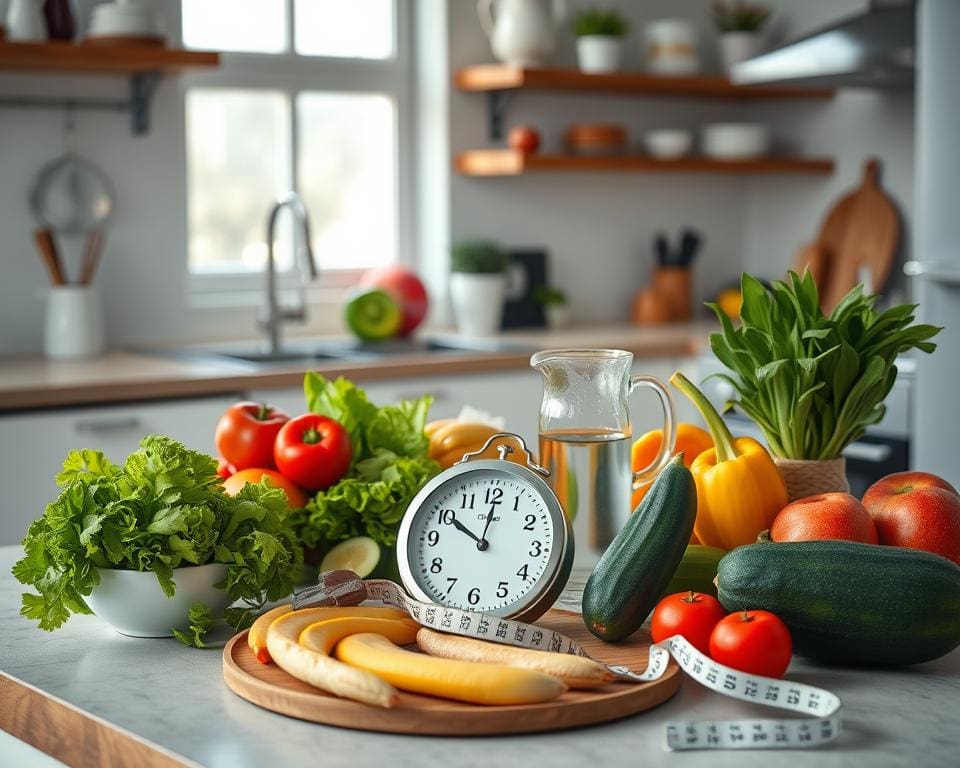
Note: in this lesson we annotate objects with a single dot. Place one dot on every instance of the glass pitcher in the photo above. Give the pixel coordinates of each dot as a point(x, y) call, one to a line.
point(586, 435)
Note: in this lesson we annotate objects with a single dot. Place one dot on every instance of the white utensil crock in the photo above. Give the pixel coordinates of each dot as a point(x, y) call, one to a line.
point(477, 302)
point(74, 323)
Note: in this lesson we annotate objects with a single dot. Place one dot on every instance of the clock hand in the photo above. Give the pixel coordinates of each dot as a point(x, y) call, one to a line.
point(461, 527)
point(482, 543)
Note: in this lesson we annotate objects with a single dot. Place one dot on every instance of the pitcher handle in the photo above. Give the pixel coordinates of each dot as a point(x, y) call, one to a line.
point(485, 12)
point(669, 428)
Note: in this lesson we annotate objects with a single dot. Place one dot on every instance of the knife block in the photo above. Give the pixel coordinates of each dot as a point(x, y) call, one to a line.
point(675, 286)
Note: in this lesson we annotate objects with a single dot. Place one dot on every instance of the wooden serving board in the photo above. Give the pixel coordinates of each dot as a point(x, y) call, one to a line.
point(270, 687)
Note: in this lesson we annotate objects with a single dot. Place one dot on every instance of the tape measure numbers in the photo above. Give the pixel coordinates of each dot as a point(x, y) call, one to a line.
point(821, 707)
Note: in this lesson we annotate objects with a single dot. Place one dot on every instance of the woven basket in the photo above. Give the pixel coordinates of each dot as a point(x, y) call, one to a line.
point(808, 477)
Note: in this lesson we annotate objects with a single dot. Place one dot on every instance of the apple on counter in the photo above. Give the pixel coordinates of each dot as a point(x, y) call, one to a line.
point(918, 510)
point(406, 289)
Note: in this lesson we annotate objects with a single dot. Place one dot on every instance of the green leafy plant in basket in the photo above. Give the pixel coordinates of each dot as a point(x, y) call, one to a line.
point(813, 382)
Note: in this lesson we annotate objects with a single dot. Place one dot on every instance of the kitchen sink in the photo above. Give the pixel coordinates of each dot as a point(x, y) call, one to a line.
point(307, 353)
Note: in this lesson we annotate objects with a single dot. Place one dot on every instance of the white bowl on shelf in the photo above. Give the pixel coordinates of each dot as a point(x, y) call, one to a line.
point(668, 143)
point(735, 141)
point(133, 603)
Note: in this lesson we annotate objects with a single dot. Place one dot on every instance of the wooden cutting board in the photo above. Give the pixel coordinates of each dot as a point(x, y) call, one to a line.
point(270, 687)
point(862, 230)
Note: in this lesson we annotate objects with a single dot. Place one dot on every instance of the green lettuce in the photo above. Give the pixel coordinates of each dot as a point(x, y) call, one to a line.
point(164, 508)
point(390, 465)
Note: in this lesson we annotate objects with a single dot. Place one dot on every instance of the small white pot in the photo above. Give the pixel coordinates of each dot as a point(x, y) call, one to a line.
point(599, 53)
point(74, 323)
point(739, 46)
point(558, 315)
point(477, 302)
point(133, 603)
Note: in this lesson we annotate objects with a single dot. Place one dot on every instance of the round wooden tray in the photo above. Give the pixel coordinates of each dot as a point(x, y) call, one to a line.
point(270, 687)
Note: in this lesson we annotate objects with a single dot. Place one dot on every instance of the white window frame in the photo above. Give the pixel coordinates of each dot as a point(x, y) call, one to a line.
point(291, 74)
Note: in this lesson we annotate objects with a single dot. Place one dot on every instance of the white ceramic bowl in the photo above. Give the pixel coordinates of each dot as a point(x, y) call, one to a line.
point(133, 603)
point(735, 141)
point(668, 143)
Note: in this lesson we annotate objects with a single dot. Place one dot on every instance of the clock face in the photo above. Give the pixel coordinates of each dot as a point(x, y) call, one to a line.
point(484, 540)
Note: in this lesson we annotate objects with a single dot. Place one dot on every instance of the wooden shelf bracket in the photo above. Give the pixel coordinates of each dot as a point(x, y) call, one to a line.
point(143, 85)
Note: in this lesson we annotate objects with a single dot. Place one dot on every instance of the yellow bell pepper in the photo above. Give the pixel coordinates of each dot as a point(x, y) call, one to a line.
point(739, 488)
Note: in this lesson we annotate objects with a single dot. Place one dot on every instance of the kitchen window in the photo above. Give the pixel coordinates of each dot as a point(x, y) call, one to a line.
point(312, 95)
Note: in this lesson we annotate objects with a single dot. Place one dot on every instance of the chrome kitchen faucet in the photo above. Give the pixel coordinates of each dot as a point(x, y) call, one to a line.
point(275, 314)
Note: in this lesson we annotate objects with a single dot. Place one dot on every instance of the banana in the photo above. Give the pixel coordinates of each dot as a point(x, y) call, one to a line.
point(575, 671)
point(257, 636)
point(460, 680)
point(319, 669)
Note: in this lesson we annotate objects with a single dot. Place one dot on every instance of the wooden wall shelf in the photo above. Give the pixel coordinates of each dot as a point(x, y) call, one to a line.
point(500, 82)
point(144, 65)
point(497, 77)
point(508, 162)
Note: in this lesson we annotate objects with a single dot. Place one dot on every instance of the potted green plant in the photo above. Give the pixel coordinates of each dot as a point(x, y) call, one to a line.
point(813, 382)
point(556, 308)
point(600, 36)
point(740, 25)
point(477, 286)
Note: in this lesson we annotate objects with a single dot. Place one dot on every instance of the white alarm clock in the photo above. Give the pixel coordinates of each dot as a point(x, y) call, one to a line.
point(487, 535)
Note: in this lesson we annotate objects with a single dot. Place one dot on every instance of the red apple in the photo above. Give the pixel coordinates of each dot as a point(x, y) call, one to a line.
point(918, 510)
point(824, 516)
point(405, 288)
point(524, 137)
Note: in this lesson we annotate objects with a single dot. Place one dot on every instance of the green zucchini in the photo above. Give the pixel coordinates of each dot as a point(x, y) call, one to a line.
point(637, 566)
point(847, 602)
point(696, 571)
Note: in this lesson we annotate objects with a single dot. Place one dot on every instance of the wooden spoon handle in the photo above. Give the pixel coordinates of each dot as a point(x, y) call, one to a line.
point(48, 253)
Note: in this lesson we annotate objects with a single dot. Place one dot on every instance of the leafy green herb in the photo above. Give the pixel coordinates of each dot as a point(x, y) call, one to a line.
point(599, 21)
point(163, 509)
point(390, 465)
point(739, 16)
point(813, 383)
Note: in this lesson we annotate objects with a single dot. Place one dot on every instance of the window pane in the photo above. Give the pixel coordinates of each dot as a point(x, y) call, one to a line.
point(347, 176)
point(358, 28)
point(238, 160)
point(255, 26)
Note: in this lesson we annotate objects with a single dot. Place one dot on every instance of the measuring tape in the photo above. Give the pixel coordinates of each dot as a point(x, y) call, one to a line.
point(343, 588)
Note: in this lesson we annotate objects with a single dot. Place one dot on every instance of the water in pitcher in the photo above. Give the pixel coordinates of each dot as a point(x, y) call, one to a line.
point(590, 473)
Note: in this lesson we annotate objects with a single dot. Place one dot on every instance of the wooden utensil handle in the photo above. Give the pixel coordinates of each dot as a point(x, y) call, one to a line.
point(43, 239)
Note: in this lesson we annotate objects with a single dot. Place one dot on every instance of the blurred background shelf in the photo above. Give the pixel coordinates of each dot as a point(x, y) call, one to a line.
point(144, 65)
point(508, 162)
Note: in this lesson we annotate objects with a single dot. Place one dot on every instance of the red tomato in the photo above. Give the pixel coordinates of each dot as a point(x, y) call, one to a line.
point(313, 451)
point(224, 468)
point(752, 641)
point(691, 614)
point(296, 498)
point(246, 432)
point(525, 138)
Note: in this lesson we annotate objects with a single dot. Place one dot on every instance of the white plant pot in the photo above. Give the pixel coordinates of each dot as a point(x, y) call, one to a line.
point(597, 54)
point(133, 603)
point(739, 46)
point(477, 302)
point(558, 315)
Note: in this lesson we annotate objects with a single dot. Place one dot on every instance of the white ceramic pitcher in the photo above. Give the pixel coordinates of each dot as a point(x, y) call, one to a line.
point(522, 32)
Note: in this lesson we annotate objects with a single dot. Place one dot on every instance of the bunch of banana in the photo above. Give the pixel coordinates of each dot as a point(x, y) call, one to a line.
point(450, 439)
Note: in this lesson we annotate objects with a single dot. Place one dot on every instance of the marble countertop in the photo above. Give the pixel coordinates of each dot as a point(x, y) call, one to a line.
point(175, 697)
point(34, 382)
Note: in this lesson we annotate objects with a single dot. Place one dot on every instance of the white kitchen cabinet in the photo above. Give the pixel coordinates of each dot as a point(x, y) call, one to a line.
point(33, 446)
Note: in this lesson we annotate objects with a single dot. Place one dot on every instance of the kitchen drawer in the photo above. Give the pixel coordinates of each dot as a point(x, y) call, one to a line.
point(34, 445)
